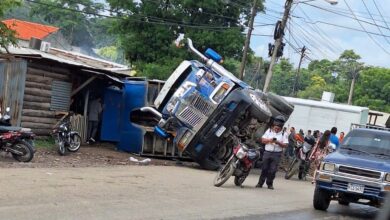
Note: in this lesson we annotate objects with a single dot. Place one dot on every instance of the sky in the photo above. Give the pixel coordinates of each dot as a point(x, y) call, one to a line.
point(306, 27)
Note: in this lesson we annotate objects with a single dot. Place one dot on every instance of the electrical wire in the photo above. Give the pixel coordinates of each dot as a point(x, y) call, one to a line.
point(321, 39)
point(309, 38)
point(380, 13)
point(341, 14)
point(379, 45)
point(340, 26)
point(374, 21)
point(148, 19)
point(322, 33)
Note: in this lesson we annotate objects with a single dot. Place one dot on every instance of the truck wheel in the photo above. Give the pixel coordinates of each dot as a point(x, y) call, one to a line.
point(280, 104)
point(258, 108)
point(321, 199)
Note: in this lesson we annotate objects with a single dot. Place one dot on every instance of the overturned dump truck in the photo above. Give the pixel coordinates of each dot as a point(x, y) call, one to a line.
point(204, 109)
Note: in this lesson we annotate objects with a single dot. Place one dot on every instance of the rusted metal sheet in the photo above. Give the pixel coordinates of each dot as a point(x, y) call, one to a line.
point(12, 82)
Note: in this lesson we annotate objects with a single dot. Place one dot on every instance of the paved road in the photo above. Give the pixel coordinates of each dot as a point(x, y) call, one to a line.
point(154, 192)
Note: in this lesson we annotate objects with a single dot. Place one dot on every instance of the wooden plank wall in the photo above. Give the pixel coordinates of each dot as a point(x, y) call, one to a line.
point(36, 113)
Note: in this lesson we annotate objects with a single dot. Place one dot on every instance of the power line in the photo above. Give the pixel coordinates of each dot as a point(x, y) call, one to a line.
point(322, 39)
point(309, 38)
point(340, 26)
point(341, 14)
point(148, 19)
point(366, 31)
point(322, 33)
point(374, 21)
point(380, 13)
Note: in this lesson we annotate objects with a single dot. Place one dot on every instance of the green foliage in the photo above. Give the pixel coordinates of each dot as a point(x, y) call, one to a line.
point(47, 143)
point(147, 30)
point(71, 16)
point(283, 78)
point(373, 89)
point(7, 36)
point(112, 53)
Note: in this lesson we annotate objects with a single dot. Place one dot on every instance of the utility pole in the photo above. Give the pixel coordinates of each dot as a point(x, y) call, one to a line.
point(355, 74)
point(248, 39)
point(278, 42)
point(295, 88)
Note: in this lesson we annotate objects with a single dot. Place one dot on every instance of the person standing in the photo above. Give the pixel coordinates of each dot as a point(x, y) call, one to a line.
point(95, 108)
point(308, 135)
point(341, 137)
point(333, 138)
point(289, 152)
point(320, 150)
point(274, 142)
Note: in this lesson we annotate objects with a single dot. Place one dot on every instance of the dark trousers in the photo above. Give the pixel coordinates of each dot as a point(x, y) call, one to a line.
point(289, 151)
point(92, 128)
point(270, 167)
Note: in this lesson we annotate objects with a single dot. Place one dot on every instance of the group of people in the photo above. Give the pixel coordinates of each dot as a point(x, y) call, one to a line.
point(277, 140)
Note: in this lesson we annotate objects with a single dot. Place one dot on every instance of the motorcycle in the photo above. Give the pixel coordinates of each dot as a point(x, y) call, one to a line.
point(25, 133)
point(238, 165)
point(301, 161)
point(66, 139)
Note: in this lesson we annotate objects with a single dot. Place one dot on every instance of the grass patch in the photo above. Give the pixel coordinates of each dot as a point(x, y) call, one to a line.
point(47, 143)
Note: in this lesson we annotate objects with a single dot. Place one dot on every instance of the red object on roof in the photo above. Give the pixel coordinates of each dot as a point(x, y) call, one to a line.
point(26, 30)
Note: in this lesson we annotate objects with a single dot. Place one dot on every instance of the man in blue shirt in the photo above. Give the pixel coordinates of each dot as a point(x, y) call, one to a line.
point(333, 138)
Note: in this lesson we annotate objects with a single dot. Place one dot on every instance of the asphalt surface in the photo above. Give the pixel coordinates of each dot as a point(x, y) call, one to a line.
point(155, 192)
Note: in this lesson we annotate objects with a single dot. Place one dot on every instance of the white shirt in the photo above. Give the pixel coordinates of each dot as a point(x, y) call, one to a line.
point(270, 134)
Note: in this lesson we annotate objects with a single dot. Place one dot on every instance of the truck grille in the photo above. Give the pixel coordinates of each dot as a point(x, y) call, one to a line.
point(201, 105)
point(369, 190)
point(190, 116)
point(360, 172)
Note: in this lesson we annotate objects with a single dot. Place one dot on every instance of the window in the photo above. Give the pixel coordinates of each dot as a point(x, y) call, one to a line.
point(60, 95)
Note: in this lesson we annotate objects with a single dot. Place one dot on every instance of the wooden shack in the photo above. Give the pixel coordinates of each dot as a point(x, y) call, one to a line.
point(44, 85)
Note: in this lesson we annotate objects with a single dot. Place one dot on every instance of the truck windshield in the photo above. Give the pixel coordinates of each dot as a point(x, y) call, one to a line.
point(370, 142)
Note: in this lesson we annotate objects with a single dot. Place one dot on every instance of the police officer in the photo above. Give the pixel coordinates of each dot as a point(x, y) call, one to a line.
point(274, 142)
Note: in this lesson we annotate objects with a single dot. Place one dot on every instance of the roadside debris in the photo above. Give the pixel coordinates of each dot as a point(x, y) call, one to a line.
point(144, 161)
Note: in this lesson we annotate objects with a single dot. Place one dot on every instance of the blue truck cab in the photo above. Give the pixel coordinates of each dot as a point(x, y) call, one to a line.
point(204, 109)
point(358, 172)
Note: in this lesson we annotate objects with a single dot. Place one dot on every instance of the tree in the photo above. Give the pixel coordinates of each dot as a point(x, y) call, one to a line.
point(72, 17)
point(7, 36)
point(147, 30)
point(315, 90)
point(283, 78)
point(348, 62)
point(373, 89)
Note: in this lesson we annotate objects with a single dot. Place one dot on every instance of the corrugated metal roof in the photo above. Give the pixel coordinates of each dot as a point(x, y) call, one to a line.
point(326, 105)
point(72, 59)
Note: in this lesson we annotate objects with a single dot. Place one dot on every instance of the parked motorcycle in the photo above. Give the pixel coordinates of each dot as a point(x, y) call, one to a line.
point(24, 134)
point(238, 165)
point(66, 138)
point(301, 162)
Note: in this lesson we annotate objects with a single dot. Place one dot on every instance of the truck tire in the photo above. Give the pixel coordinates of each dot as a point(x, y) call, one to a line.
point(280, 104)
point(321, 199)
point(275, 112)
point(256, 111)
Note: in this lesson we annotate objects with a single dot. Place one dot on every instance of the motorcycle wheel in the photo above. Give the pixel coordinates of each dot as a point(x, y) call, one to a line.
point(224, 173)
point(75, 143)
point(239, 180)
point(26, 149)
point(61, 147)
point(293, 168)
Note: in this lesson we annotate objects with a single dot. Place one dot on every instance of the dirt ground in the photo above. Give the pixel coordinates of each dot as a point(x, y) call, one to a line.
point(98, 155)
